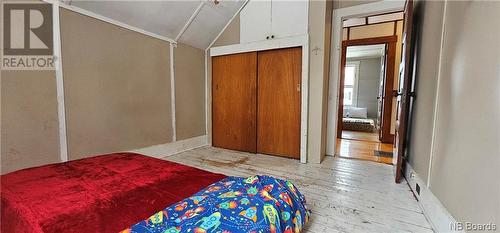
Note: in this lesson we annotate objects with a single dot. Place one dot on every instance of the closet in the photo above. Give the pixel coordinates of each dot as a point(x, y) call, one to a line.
point(256, 102)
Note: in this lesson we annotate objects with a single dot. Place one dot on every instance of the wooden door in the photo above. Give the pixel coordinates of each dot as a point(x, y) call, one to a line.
point(234, 102)
point(380, 95)
point(387, 96)
point(403, 99)
point(278, 105)
point(340, 111)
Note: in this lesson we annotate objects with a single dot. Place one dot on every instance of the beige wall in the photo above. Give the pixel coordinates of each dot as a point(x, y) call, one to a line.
point(320, 17)
point(117, 87)
point(231, 34)
point(374, 30)
point(29, 122)
point(465, 167)
point(117, 92)
point(189, 69)
point(429, 38)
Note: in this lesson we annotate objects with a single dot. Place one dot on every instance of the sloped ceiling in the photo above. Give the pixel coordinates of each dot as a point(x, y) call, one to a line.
point(168, 18)
point(209, 22)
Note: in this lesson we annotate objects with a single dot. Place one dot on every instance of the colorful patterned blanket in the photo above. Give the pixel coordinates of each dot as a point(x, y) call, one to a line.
point(257, 204)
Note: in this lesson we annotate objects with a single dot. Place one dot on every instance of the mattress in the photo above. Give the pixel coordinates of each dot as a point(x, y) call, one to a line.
point(358, 124)
point(99, 194)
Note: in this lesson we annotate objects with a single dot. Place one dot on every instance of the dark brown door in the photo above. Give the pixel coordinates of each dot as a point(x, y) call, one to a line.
point(387, 96)
point(234, 102)
point(278, 107)
point(403, 99)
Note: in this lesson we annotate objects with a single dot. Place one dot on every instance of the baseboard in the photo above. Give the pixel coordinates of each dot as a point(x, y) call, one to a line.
point(440, 219)
point(164, 150)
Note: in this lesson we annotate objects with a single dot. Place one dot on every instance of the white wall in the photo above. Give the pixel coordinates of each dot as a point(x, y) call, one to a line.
point(463, 167)
point(368, 84)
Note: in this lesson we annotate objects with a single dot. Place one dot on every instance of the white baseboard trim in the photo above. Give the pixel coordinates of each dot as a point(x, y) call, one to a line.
point(164, 150)
point(434, 211)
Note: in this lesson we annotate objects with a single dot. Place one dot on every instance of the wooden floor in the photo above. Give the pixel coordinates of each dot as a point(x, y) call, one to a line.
point(358, 135)
point(361, 145)
point(345, 195)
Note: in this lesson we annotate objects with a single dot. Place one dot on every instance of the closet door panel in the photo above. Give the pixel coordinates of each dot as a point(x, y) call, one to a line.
point(278, 108)
point(234, 101)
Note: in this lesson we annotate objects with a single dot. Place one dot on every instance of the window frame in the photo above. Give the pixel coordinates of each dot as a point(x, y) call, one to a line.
point(356, 82)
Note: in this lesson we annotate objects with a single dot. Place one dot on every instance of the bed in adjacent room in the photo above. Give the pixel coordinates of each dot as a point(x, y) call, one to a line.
point(105, 193)
point(358, 124)
point(356, 119)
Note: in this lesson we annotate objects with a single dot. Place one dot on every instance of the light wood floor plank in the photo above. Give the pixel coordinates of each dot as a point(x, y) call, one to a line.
point(344, 195)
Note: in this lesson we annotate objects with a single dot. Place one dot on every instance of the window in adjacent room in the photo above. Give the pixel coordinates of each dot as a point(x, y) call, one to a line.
point(350, 83)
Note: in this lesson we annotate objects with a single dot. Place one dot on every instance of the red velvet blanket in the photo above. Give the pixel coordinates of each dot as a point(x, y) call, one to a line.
point(106, 193)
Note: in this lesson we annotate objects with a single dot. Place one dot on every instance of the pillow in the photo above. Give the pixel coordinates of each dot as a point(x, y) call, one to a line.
point(358, 112)
point(345, 113)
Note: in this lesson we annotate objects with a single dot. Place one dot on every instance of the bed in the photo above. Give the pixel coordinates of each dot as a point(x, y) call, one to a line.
point(358, 124)
point(100, 194)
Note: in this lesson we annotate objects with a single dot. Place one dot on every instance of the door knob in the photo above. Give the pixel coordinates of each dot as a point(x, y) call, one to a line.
point(395, 93)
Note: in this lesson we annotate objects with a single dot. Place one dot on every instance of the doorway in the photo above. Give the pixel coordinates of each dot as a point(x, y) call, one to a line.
point(365, 99)
point(363, 92)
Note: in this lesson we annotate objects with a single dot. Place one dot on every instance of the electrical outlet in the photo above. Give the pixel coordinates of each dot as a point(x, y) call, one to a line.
point(417, 188)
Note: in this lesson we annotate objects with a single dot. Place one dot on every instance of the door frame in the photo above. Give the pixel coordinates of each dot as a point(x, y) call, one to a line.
point(289, 42)
point(339, 15)
point(390, 42)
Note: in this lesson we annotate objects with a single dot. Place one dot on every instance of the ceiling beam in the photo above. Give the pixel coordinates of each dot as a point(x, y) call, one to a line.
point(230, 21)
point(190, 20)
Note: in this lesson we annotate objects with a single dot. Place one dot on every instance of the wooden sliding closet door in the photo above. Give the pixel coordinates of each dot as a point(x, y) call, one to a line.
point(234, 101)
point(278, 106)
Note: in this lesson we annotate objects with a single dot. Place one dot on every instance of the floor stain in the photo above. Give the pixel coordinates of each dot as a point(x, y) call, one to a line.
point(226, 164)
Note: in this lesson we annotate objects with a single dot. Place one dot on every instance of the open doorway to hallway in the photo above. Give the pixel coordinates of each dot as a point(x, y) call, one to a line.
point(370, 57)
point(363, 105)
